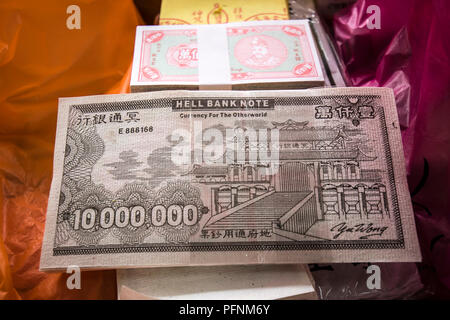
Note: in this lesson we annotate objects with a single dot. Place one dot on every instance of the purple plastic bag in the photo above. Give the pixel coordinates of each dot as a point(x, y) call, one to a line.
point(410, 54)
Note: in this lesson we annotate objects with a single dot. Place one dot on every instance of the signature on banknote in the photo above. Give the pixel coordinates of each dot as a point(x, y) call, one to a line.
point(366, 230)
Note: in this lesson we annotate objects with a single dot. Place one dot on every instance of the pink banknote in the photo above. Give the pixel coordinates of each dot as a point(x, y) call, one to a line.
point(281, 52)
point(168, 55)
point(271, 52)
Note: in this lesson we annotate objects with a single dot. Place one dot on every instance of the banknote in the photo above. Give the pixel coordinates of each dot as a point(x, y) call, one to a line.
point(252, 282)
point(182, 178)
point(271, 52)
point(173, 59)
point(238, 55)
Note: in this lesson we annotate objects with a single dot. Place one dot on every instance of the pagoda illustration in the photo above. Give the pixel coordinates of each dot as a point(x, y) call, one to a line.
point(320, 176)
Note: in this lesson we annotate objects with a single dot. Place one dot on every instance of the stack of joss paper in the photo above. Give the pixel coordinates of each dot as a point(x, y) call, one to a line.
point(240, 56)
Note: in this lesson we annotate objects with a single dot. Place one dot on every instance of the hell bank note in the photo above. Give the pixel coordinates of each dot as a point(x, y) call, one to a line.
point(212, 178)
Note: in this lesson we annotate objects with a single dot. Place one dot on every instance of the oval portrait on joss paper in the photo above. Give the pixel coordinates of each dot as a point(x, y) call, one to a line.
point(260, 52)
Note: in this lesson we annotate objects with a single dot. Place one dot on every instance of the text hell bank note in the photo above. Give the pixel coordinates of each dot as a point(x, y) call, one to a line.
point(212, 178)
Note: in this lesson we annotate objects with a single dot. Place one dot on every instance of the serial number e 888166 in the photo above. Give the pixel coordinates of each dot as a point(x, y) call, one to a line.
point(142, 129)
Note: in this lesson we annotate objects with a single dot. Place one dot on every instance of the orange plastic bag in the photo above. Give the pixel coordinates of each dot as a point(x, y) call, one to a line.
point(41, 59)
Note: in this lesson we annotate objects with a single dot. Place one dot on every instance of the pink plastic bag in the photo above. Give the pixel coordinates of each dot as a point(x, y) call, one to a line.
point(410, 54)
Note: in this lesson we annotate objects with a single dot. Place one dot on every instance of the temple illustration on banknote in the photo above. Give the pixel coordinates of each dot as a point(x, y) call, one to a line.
point(290, 180)
point(295, 178)
point(320, 176)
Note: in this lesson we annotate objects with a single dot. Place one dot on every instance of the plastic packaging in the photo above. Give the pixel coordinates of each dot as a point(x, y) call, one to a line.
point(409, 53)
point(41, 59)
